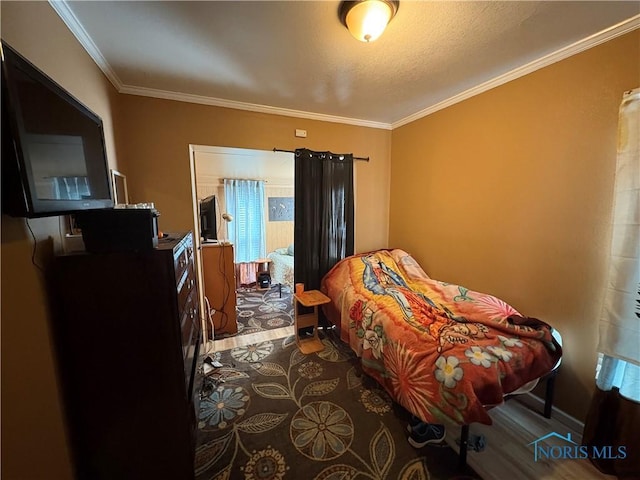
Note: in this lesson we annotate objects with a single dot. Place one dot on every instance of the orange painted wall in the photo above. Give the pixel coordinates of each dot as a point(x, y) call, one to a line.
point(154, 151)
point(34, 444)
point(510, 193)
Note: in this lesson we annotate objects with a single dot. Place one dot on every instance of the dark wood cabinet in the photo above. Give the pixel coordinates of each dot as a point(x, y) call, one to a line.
point(127, 334)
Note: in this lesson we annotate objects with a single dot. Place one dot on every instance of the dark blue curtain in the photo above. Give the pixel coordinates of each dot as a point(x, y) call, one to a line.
point(324, 214)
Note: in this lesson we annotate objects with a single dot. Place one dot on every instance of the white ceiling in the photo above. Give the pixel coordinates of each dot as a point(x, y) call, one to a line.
point(296, 58)
point(216, 163)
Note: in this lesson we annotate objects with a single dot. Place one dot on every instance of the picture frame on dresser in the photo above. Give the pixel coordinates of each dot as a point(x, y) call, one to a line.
point(119, 187)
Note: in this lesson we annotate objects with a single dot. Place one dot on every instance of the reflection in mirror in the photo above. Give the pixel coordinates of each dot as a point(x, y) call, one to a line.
point(119, 186)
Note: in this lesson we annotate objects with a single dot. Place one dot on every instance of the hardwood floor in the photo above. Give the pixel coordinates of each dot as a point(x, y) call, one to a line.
point(517, 423)
point(508, 454)
point(241, 340)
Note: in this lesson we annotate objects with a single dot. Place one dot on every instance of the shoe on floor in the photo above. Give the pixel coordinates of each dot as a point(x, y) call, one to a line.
point(414, 422)
point(426, 433)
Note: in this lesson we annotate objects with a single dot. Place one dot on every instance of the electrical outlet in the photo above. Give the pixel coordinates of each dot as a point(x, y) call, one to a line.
point(301, 133)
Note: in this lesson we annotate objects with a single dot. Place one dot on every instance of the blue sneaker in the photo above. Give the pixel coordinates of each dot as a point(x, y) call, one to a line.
point(426, 433)
point(414, 422)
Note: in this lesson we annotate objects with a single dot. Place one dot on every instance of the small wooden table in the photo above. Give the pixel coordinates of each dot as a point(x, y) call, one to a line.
point(311, 298)
point(262, 266)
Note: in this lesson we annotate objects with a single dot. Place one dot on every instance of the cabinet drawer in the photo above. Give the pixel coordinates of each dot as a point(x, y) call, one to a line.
point(196, 385)
point(190, 359)
point(189, 321)
point(186, 286)
point(183, 256)
point(180, 263)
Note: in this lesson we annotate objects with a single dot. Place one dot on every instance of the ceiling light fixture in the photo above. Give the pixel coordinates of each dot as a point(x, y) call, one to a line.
point(367, 19)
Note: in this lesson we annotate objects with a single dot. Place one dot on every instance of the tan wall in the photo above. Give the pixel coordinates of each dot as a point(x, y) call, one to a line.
point(510, 192)
point(157, 134)
point(33, 438)
point(278, 234)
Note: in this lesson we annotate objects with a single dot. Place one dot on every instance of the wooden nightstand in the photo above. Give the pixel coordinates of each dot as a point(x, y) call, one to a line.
point(262, 266)
point(219, 275)
point(313, 299)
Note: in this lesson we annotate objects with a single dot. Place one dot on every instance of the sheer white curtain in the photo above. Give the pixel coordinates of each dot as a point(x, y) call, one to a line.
point(619, 340)
point(245, 202)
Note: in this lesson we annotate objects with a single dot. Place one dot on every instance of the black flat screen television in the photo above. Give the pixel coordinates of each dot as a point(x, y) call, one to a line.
point(208, 218)
point(54, 160)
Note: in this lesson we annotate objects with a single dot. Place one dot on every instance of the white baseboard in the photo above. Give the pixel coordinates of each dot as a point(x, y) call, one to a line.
point(536, 403)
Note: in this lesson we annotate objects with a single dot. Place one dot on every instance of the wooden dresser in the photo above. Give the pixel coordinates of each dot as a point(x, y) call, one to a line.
point(127, 337)
point(218, 270)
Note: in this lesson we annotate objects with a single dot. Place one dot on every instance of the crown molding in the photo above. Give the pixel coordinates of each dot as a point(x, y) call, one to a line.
point(68, 17)
point(253, 107)
point(566, 52)
point(71, 21)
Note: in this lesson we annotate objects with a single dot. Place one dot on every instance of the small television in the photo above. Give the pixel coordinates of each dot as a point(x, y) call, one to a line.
point(54, 159)
point(208, 218)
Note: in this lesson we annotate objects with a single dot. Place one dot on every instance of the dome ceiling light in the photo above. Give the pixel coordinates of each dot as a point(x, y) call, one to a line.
point(367, 19)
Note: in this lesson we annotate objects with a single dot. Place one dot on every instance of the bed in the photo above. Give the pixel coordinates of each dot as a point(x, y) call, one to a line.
point(442, 351)
point(281, 266)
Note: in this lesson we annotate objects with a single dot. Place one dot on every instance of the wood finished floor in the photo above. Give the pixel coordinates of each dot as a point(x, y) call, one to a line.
point(507, 455)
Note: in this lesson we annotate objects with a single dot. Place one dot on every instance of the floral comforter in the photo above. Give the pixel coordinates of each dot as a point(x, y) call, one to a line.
point(281, 267)
point(442, 351)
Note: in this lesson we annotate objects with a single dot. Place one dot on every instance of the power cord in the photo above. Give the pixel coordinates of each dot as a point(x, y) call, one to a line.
point(35, 248)
point(212, 381)
point(226, 287)
point(226, 281)
point(208, 359)
point(214, 373)
point(211, 368)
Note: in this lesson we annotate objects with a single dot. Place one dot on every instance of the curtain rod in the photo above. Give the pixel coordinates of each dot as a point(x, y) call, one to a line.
point(250, 179)
point(364, 159)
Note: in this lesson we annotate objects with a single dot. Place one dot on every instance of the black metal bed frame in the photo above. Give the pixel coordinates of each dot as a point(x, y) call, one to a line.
point(549, 392)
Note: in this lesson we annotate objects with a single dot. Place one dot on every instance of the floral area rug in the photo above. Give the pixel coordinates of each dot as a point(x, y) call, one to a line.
point(259, 310)
point(274, 413)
